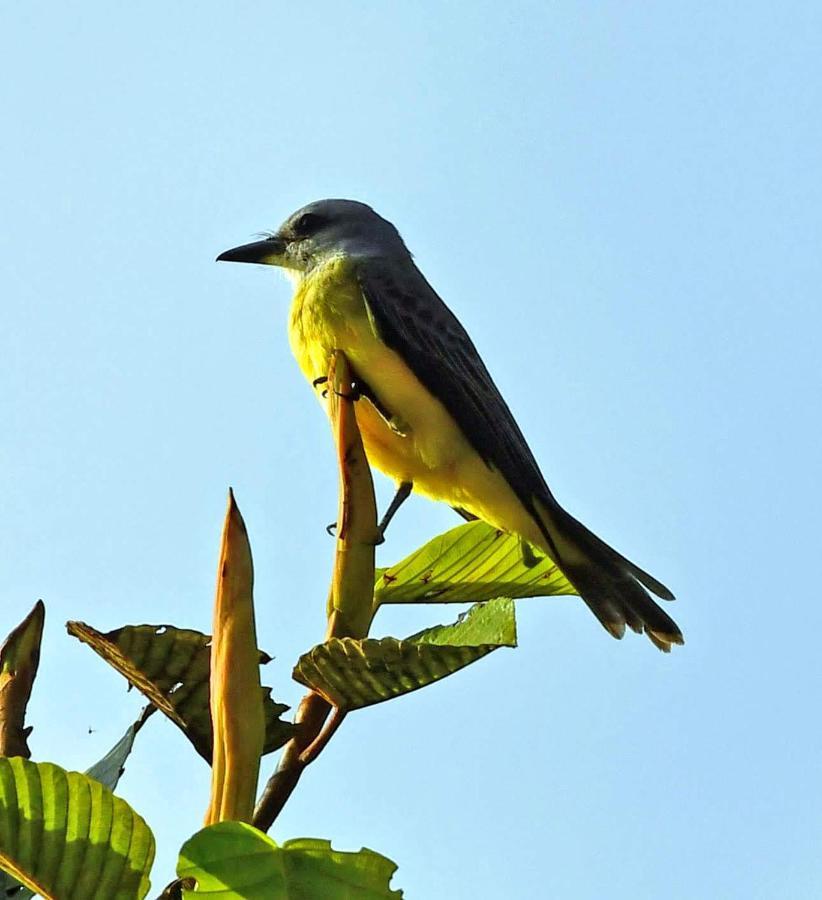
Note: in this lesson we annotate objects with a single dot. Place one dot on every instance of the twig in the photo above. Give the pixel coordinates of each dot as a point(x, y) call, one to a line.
point(310, 718)
point(317, 746)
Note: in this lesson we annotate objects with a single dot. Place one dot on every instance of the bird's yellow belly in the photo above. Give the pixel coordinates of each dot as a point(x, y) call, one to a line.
point(328, 313)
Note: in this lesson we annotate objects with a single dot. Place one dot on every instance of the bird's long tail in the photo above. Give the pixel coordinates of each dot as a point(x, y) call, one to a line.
point(615, 589)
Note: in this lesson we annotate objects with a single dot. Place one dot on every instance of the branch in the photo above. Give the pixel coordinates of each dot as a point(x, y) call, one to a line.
point(351, 597)
point(311, 715)
point(317, 746)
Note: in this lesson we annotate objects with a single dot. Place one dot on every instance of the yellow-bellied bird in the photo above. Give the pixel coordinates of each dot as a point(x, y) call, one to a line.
point(430, 415)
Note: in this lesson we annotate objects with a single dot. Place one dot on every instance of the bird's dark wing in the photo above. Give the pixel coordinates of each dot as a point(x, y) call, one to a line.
point(413, 321)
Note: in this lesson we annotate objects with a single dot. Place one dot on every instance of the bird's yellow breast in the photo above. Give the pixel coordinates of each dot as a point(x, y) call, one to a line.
point(328, 312)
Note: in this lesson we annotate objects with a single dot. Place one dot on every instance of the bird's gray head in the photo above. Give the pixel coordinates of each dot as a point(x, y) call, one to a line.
point(319, 231)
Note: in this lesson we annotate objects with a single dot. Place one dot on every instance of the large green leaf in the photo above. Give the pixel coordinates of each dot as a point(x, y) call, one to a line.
point(351, 674)
point(68, 837)
point(469, 563)
point(107, 771)
point(234, 861)
point(171, 666)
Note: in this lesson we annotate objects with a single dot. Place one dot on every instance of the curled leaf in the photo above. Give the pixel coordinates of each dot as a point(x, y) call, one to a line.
point(171, 666)
point(19, 659)
point(351, 674)
point(238, 721)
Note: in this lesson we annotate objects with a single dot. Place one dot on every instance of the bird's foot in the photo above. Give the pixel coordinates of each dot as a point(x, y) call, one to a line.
point(529, 558)
point(360, 389)
point(403, 492)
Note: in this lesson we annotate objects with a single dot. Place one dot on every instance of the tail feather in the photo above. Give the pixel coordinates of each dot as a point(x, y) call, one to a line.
point(613, 587)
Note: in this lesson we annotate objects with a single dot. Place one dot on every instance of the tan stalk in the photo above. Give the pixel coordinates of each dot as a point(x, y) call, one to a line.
point(237, 714)
point(351, 598)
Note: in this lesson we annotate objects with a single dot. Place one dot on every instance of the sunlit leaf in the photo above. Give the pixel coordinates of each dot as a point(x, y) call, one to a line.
point(107, 771)
point(67, 837)
point(233, 861)
point(469, 563)
point(170, 666)
point(351, 673)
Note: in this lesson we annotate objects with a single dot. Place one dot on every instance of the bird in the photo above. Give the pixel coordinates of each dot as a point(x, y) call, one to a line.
point(430, 415)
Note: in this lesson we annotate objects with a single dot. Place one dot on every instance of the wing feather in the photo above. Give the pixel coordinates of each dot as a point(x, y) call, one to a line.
point(415, 323)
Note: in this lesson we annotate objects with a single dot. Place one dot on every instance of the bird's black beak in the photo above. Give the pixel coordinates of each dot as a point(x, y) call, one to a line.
point(268, 252)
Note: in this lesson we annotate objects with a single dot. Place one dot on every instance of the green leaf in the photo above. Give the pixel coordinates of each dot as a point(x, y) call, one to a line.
point(67, 837)
point(234, 861)
point(171, 667)
point(351, 674)
point(469, 563)
point(107, 771)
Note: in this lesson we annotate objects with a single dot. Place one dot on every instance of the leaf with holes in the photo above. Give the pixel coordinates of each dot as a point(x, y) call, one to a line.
point(171, 667)
point(470, 563)
point(233, 861)
point(65, 835)
point(351, 674)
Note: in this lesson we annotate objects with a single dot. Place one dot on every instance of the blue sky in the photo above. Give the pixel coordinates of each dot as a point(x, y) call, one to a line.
point(622, 204)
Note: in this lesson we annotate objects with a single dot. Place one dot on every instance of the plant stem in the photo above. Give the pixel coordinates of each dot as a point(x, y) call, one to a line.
point(332, 723)
point(351, 597)
point(311, 715)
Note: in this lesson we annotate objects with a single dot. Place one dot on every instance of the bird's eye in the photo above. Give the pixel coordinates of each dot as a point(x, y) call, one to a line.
point(307, 224)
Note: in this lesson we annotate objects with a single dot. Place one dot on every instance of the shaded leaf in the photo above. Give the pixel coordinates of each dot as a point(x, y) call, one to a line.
point(234, 861)
point(11, 888)
point(352, 674)
point(67, 837)
point(171, 666)
point(109, 769)
point(470, 563)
